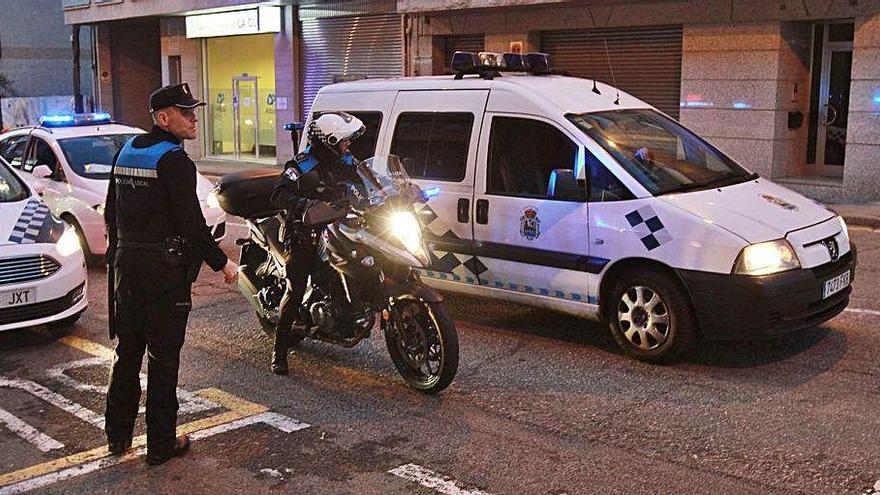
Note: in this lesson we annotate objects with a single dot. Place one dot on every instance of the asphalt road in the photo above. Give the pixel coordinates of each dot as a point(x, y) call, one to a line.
point(543, 403)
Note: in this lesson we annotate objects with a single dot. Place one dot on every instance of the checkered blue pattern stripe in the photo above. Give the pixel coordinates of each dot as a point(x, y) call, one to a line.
point(647, 225)
point(499, 284)
point(27, 229)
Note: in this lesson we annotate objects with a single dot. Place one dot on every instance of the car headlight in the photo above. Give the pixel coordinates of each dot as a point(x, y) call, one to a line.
point(407, 230)
point(68, 243)
point(766, 258)
point(213, 201)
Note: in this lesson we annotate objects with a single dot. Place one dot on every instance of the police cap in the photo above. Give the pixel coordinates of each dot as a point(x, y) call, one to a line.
point(177, 95)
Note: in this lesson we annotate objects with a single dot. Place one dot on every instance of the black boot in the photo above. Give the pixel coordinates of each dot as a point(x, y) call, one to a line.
point(279, 354)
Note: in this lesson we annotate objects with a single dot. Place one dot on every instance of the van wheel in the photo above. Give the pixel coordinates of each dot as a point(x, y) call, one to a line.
point(650, 317)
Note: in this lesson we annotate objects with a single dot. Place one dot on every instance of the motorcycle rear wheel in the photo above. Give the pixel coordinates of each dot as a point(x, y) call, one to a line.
point(423, 344)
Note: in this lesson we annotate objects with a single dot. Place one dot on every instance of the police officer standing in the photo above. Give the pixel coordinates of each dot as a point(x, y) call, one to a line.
point(311, 176)
point(157, 241)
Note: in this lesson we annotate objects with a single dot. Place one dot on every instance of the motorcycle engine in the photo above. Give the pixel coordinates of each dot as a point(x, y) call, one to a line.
point(270, 296)
point(323, 314)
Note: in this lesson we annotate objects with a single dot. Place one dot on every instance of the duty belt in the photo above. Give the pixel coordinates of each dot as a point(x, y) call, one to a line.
point(150, 246)
point(141, 240)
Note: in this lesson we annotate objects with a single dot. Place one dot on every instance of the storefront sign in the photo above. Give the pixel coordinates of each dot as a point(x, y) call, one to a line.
point(263, 19)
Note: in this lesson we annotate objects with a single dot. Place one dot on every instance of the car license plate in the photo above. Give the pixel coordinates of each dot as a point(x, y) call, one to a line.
point(835, 285)
point(17, 297)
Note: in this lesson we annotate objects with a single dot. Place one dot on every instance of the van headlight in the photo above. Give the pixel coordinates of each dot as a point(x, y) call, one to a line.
point(766, 258)
point(68, 243)
point(212, 200)
point(407, 230)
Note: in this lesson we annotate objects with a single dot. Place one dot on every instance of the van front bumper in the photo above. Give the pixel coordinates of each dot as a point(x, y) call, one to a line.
point(736, 307)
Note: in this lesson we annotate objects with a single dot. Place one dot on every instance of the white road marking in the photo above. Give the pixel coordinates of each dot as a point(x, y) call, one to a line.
point(189, 403)
point(53, 398)
point(432, 480)
point(862, 311)
point(27, 432)
point(273, 419)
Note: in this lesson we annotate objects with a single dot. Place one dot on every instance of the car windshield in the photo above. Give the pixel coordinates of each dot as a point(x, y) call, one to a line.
point(658, 152)
point(11, 187)
point(92, 156)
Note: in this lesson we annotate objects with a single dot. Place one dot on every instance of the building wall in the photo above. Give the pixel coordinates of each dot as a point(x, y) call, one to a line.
point(135, 68)
point(175, 43)
point(862, 169)
point(738, 86)
point(38, 57)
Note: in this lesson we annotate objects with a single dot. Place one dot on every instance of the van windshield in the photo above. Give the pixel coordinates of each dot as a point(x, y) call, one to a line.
point(658, 152)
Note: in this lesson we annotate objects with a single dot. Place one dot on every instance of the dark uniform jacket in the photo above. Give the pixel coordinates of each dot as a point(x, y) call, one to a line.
point(306, 178)
point(150, 202)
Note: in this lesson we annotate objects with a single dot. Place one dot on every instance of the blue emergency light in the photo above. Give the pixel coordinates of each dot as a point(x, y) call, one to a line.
point(75, 120)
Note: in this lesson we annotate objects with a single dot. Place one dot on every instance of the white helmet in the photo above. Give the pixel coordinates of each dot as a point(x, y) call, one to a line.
point(332, 127)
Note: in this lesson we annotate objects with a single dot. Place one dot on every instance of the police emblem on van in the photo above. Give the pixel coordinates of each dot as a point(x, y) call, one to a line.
point(779, 202)
point(530, 224)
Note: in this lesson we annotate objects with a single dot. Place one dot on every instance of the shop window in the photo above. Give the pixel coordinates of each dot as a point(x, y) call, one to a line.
point(523, 153)
point(433, 145)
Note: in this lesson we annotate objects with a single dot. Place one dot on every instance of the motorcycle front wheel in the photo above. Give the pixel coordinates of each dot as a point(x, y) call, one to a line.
point(423, 344)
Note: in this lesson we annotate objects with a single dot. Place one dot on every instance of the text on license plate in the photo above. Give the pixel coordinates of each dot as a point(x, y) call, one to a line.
point(17, 297)
point(835, 285)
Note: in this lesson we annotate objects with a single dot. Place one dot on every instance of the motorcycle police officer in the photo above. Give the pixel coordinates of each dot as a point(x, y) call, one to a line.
point(311, 175)
point(157, 241)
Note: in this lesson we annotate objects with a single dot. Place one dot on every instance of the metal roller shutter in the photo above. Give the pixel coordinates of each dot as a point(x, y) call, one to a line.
point(345, 48)
point(646, 60)
point(461, 43)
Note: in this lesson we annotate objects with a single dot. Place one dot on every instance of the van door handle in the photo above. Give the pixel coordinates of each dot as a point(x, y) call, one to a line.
point(464, 210)
point(483, 211)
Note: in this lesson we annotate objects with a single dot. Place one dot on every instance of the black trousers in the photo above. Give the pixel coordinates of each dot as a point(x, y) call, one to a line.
point(302, 261)
point(155, 323)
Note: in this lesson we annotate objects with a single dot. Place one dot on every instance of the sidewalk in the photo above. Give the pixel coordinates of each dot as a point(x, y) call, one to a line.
point(855, 214)
point(860, 214)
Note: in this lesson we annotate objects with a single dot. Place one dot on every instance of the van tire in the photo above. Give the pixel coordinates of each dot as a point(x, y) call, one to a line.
point(649, 316)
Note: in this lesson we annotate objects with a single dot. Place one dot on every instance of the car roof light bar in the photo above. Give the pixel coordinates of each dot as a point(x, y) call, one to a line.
point(489, 65)
point(75, 120)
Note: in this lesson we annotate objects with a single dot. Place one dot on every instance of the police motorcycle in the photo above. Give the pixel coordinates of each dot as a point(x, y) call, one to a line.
point(369, 243)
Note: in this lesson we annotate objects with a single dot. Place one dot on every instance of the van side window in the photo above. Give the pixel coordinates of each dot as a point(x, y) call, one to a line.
point(523, 154)
point(433, 145)
point(604, 186)
point(365, 146)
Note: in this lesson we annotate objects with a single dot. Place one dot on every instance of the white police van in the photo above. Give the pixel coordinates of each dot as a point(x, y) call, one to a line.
point(67, 160)
point(568, 194)
point(42, 269)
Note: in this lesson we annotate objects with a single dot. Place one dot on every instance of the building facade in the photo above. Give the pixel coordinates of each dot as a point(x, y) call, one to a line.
point(790, 89)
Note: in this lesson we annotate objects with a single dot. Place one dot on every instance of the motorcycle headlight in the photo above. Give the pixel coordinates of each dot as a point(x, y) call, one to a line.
point(766, 258)
point(68, 243)
point(212, 200)
point(407, 230)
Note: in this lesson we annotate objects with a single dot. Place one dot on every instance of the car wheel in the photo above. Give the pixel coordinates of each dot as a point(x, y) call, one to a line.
point(91, 259)
point(650, 317)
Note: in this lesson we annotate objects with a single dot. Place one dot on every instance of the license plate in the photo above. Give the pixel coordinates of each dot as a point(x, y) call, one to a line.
point(835, 285)
point(17, 297)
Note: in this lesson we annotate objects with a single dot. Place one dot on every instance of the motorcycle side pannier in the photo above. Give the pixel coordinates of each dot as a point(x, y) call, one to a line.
point(246, 194)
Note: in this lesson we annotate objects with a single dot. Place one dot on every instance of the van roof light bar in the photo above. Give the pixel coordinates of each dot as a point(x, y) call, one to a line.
point(489, 65)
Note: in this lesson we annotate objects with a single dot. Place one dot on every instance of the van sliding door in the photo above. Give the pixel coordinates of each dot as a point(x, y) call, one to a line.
point(435, 135)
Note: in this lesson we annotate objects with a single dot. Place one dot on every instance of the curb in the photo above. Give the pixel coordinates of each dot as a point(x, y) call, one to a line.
point(856, 220)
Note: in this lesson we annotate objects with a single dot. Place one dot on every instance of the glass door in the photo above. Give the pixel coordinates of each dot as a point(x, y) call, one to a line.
point(833, 99)
point(246, 113)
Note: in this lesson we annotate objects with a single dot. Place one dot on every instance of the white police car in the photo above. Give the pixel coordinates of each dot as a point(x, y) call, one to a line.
point(566, 193)
point(67, 160)
point(42, 268)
